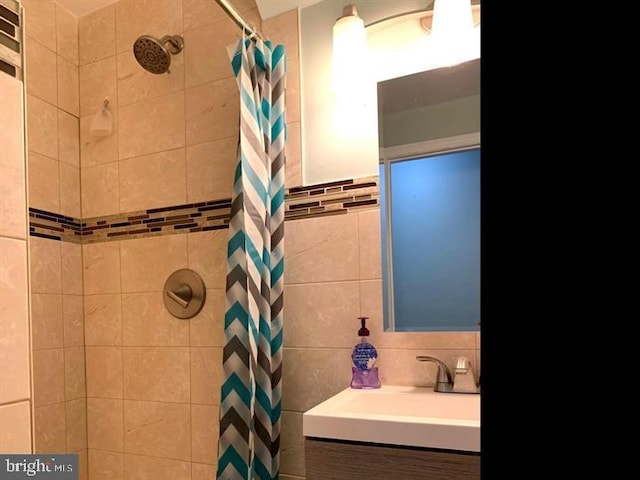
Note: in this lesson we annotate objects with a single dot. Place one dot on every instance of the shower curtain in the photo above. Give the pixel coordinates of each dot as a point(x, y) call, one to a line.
point(250, 401)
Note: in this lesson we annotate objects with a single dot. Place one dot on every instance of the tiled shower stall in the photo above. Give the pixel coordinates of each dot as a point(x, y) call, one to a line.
point(116, 378)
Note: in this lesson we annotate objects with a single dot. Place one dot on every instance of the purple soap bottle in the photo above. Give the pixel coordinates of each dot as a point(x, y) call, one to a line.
point(364, 373)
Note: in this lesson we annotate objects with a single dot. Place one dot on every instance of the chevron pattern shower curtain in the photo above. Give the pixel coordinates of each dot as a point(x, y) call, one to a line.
point(250, 401)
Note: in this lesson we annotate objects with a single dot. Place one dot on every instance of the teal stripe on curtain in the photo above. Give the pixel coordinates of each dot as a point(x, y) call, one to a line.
point(251, 392)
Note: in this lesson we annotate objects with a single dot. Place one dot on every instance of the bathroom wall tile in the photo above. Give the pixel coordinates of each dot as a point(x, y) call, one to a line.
point(106, 465)
point(153, 180)
point(201, 471)
point(147, 322)
point(334, 239)
point(198, 13)
point(73, 320)
point(12, 169)
point(83, 464)
point(97, 82)
point(141, 467)
point(98, 150)
point(292, 444)
point(103, 319)
point(207, 328)
point(152, 126)
point(43, 183)
point(135, 84)
point(370, 244)
point(68, 139)
point(292, 93)
point(68, 86)
point(71, 258)
point(76, 424)
point(45, 265)
point(158, 429)
point(100, 194)
point(104, 425)
point(104, 371)
point(69, 191)
point(48, 377)
point(400, 367)
point(321, 315)
point(210, 170)
point(146, 17)
point(97, 35)
point(141, 271)
point(204, 433)
point(283, 30)
point(42, 127)
point(47, 329)
point(14, 327)
point(50, 428)
point(15, 434)
point(74, 373)
point(208, 256)
point(41, 74)
point(319, 373)
point(206, 375)
point(293, 154)
point(66, 34)
point(205, 59)
point(212, 111)
point(157, 374)
point(101, 266)
point(39, 21)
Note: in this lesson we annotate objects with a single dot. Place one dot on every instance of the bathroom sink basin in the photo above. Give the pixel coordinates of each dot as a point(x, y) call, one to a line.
point(395, 415)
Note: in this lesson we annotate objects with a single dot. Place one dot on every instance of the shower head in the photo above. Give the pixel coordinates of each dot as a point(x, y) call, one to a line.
point(155, 55)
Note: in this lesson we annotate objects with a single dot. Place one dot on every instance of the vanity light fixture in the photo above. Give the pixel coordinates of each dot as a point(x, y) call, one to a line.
point(449, 36)
point(350, 52)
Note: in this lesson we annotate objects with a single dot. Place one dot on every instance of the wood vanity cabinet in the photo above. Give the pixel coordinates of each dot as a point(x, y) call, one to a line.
point(341, 460)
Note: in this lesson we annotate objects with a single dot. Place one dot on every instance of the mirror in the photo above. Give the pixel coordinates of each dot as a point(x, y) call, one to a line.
point(429, 143)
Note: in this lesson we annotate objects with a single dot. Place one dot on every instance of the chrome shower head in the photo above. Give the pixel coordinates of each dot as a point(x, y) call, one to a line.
point(155, 55)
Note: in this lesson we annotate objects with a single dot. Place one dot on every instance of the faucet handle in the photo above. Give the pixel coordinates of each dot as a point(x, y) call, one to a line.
point(462, 365)
point(464, 381)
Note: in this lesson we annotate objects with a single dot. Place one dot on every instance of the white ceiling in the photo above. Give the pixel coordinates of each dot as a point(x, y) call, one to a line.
point(268, 8)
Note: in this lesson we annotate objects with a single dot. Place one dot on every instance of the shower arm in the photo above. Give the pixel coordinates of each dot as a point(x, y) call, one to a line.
point(175, 43)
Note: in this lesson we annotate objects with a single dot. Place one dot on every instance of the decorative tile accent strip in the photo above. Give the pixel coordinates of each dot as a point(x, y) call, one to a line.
point(333, 198)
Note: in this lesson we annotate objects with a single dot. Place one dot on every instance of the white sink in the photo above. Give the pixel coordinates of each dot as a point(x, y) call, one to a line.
point(411, 416)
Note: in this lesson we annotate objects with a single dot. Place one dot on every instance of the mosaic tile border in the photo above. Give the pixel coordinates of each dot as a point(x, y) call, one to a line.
point(332, 198)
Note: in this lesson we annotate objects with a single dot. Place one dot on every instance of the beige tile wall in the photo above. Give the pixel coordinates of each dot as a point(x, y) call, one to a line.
point(53, 107)
point(153, 380)
point(15, 378)
point(57, 328)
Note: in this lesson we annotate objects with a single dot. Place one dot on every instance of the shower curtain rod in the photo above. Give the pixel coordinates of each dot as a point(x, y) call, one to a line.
point(237, 18)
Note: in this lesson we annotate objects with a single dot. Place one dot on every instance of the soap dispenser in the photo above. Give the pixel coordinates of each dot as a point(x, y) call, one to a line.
point(364, 357)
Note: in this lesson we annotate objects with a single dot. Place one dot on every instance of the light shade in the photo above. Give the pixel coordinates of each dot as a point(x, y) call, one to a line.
point(102, 123)
point(454, 39)
point(350, 54)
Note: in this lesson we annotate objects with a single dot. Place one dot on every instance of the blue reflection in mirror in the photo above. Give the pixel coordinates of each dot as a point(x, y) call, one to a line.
point(431, 273)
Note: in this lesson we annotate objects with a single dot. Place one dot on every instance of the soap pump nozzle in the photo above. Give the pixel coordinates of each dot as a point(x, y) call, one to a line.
point(364, 331)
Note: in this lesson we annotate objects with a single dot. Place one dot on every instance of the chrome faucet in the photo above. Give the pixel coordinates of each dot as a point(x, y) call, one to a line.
point(464, 381)
point(443, 377)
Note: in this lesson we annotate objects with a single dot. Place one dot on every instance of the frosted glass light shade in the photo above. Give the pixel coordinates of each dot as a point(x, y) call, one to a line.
point(350, 54)
point(452, 33)
point(101, 124)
